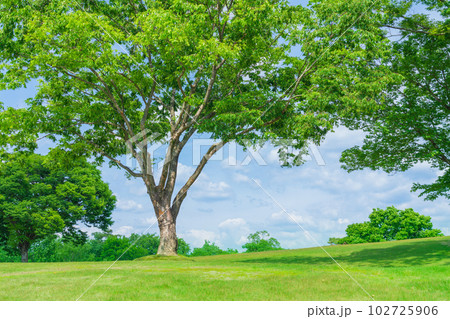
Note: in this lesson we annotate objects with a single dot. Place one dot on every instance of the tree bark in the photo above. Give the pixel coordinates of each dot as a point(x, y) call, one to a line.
point(24, 251)
point(168, 241)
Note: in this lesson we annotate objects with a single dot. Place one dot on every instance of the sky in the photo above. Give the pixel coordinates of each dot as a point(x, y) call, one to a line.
point(241, 192)
point(226, 203)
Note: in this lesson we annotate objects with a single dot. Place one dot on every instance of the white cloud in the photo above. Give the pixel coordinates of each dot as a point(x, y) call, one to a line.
point(273, 157)
point(342, 138)
point(242, 240)
point(211, 191)
point(124, 230)
point(184, 172)
point(293, 218)
point(241, 177)
point(231, 162)
point(232, 223)
point(128, 204)
point(151, 221)
point(285, 234)
point(198, 236)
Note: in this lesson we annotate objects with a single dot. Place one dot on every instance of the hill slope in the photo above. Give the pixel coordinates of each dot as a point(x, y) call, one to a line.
point(402, 270)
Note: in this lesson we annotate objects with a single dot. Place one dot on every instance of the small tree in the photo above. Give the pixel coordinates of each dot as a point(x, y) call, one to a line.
point(115, 246)
point(38, 197)
point(261, 241)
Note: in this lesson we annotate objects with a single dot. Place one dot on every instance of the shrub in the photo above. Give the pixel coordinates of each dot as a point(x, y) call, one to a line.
point(389, 224)
point(261, 241)
point(211, 249)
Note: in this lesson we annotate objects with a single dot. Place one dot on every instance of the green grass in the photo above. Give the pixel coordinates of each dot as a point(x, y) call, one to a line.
point(402, 270)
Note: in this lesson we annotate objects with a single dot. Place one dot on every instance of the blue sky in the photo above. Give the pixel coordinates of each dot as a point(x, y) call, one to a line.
point(225, 204)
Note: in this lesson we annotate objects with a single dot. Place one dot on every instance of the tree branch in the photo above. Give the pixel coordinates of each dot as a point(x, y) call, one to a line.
point(182, 193)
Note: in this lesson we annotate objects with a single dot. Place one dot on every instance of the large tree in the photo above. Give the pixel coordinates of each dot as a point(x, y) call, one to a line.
point(116, 76)
point(40, 197)
point(414, 126)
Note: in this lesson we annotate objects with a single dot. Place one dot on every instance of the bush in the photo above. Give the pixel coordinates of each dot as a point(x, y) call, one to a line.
point(261, 241)
point(149, 242)
point(44, 250)
point(389, 224)
point(70, 252)
point(7, 257)
point(183, 247)
point(211, 249)
point(115, 246)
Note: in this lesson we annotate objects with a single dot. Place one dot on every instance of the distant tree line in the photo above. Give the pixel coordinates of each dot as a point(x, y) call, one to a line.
point(108, 247)
point(102, 247)
point(389, 224)
point(211, 249)
point(259, 241)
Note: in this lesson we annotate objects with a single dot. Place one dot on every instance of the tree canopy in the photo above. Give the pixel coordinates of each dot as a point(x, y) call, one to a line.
point(39, 197)
point(414, 125)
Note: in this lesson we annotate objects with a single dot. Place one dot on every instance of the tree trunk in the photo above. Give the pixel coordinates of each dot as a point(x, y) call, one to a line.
point(24, 251)
point(168, 242)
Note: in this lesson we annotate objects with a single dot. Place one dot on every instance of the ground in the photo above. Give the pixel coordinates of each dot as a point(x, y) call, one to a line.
point(402, 270)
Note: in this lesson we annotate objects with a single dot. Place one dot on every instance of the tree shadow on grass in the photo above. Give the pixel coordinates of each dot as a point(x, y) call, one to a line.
point(411, 254)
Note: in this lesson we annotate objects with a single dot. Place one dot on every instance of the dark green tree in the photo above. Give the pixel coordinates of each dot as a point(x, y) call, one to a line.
point(261, 241)
point(414, 126)
point(118, 76)
point(39, 197)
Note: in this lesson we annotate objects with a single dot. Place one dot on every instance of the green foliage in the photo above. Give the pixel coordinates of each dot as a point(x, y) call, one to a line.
point(39, 197)
point(389, 224)
point(8, 256)
point(112, 73)
point(361, 233)
point(242, 49)
point(211, 249)
point(120, 246)
point(413, 127)
point(183, 247)
point(45, 250)
point(149, 242)
point(102, 247)
point(261, 241)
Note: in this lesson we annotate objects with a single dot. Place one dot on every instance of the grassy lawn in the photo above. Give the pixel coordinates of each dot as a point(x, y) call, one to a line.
point(402, 270)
